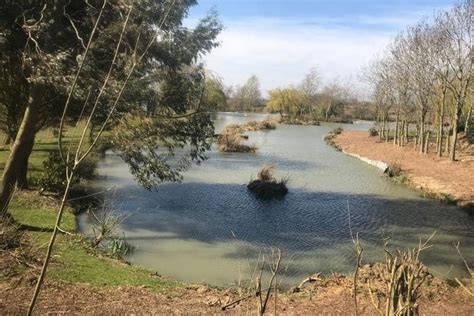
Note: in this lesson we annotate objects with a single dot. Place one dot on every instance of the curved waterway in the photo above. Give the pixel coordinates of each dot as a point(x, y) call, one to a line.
point(209, 229)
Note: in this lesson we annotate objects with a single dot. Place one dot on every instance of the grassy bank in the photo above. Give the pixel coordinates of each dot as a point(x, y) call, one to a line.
point(74, 260)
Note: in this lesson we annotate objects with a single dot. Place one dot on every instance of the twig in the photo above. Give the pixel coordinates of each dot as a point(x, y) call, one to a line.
point(313, 278)
point(65, 232)
point(359, 251)
point(464, 287)
point(242, 299)
point(456, 245)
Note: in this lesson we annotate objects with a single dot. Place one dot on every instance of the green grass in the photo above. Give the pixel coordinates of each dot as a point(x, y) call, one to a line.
point(45, 142)
point(74, 260)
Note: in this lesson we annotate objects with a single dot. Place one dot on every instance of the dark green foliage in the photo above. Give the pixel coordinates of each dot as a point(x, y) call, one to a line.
point(160, 150)
point(53, 178)
point(166, 86)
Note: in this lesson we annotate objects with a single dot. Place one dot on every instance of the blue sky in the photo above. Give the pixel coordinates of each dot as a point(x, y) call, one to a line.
point(279, 41)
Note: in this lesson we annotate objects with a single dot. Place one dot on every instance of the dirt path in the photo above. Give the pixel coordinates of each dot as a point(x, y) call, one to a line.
point(328, 297)
point(426, 172)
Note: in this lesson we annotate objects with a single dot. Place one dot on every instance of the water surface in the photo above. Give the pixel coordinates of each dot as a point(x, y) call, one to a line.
point(210, 229)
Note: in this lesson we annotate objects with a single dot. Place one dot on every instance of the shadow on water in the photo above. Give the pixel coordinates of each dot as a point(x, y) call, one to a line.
point(209, 212)
point(212, 223)
point(311, 228)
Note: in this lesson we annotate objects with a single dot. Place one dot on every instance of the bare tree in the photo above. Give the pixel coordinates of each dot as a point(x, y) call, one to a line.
point(457, 32)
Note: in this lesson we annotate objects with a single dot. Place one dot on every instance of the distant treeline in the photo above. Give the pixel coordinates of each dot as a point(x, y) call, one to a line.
point(310, 99)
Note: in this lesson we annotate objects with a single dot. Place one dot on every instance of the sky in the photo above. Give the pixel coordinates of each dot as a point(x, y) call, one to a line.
point(281, 40)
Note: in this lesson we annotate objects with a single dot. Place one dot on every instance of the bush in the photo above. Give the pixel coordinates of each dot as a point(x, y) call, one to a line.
point(337, 131)
point(230, 140)
point(266, 186)
point(373, 132)
point(329, 138)
point(53, 177)
point(394, 170)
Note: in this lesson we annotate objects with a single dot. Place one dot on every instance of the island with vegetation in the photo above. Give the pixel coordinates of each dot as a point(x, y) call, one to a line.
point(119, 92)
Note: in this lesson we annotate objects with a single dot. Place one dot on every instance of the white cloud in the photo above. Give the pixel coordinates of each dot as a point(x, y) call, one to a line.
point(280, 52)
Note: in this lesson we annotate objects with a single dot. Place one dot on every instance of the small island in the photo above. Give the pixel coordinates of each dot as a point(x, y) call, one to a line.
point(266, 186)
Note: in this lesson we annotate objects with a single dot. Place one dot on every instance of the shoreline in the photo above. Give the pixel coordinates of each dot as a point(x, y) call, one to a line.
point(77, 270)
point(433, 177)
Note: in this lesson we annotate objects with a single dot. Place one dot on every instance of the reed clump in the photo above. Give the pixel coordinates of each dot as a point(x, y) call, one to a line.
point(231, 140)
point(267, 124)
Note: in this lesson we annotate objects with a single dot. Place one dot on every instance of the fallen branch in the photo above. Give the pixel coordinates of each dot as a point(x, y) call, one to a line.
point(311, 279)
point(237, 301)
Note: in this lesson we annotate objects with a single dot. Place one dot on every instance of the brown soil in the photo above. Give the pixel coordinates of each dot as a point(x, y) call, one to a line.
point(426, 172)
point(325, 296)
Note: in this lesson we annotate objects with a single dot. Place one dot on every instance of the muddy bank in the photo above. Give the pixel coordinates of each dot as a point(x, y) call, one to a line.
point(435, 177)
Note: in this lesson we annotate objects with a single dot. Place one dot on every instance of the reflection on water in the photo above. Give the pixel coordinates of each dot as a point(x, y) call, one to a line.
point(209, 227)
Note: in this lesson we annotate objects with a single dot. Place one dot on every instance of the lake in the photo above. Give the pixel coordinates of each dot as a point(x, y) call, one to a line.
point(210, 229)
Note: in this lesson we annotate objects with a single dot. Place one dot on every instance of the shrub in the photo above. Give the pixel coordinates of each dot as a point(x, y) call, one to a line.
point(266, 186)
point(230, 140)
point(394, 170)
point(118, 247)
point(373, 132)
point(53, 177)
point(337, 131)
point(329, 138)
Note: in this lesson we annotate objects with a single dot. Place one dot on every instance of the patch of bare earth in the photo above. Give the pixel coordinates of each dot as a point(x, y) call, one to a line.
point(426, 172)
point(332, 295)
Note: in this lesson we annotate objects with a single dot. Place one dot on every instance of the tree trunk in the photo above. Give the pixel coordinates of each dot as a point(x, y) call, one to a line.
point(328, 110)
point(402, 134)
point(441, 122)
point(19, 151)
point(468, 119)
point(395, 136)
point(427, 142)
point(22, 178)
point(417, 137)
point(407, 129)
point(446, 148)
point(454, 140)
point(383, 127)
point(422, 132)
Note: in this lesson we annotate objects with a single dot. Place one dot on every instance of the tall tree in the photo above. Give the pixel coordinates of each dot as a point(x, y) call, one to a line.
point(166, 78)
point(309, 87)
point(285, 101)
point(249, 96)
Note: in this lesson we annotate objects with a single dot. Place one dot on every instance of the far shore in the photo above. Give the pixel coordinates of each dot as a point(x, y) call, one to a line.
point(435, 177)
